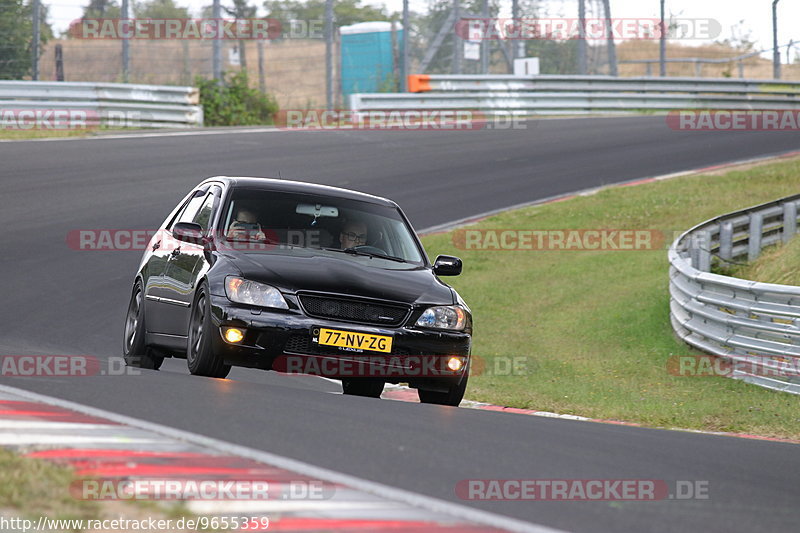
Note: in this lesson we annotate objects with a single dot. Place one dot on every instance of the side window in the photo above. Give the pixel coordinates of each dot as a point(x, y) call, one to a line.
point(203, 216)
point(190, 211)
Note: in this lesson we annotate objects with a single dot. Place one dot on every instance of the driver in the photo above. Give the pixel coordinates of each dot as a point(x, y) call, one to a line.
point(245, 226)
point(354, 233)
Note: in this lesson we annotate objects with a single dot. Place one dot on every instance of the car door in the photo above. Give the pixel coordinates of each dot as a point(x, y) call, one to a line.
point(184, 266)
point(162, 248)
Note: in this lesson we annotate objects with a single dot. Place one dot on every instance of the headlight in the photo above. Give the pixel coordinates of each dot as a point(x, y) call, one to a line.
point(248, 292)
point(451, 317)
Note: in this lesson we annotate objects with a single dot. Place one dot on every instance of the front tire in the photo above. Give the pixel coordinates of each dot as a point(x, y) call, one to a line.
point(200, 356)
point(134, 350)
point(369, 388)
point(452, 396)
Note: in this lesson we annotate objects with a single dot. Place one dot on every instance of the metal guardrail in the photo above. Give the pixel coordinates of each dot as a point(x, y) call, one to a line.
point(754, 325)
point(113, 104)
point(581, 94)
point(446, 83)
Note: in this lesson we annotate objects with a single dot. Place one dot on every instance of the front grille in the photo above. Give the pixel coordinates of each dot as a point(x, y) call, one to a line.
point(301, 344)
point(354, 310)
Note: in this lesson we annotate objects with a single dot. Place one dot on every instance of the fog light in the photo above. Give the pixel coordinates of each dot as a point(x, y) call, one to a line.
point(455, 364)
point(234, 335)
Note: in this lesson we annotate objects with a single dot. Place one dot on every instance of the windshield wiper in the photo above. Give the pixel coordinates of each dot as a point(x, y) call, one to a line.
point(353, 251)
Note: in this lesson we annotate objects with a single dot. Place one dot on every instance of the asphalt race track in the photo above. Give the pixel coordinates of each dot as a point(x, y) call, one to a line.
point(57, 300)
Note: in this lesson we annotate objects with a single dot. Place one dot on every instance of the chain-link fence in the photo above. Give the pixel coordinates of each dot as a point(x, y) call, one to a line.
point(443, 36)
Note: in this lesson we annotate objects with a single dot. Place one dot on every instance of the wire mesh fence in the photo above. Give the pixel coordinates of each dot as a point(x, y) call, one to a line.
point(291, 65)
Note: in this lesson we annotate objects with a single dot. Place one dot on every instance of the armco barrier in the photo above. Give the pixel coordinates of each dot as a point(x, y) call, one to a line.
point(524, 95)
point(113, 104)
point(754, 325)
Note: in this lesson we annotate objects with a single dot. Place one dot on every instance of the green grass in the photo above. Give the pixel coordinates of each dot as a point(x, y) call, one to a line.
point(33, 488)
point(776, 264)
point(596, 323)
point(21, 135)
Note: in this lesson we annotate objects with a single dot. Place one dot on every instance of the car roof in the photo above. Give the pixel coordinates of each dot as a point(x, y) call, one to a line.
point(273, 184)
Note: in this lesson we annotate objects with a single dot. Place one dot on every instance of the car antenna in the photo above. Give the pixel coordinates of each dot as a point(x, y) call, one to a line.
point(279, 175)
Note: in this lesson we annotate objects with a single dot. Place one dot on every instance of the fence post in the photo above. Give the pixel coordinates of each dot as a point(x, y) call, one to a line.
point(125, 44)
point(404, 62)
point(458, 46)
point(612, 50)
point(485, 50)
point(59, 63)
point(216, 54)
point(262, 82)
point(35, 43)
point(581, 35)
point(329, 54)
point(662, 45)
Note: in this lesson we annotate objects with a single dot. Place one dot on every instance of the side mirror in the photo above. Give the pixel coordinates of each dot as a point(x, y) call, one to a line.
point(188, 232)
point(447, 265)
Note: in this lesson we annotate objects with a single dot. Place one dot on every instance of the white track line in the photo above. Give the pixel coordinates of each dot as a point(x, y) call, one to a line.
point(455, 510)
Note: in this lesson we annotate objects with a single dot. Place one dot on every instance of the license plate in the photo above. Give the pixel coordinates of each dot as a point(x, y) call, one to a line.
point(354, 341)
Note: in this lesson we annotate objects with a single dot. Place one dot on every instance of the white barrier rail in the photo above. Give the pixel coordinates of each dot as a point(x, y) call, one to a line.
point(754, 325)
point(496, 94)
point(110, 104)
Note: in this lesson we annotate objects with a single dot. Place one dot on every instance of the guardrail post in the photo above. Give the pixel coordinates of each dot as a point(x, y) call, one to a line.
point(699, 251)
point(726, 240)
point(754, 239)
point(704, 252)
point(789, 221)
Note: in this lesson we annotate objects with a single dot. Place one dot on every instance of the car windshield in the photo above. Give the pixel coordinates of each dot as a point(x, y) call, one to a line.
point(282, 221)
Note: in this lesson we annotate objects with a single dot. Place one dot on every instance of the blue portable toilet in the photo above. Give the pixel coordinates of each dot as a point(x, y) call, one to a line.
point(367, 61)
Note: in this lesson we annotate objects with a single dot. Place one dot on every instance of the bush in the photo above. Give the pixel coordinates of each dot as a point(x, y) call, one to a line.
point(234, 103)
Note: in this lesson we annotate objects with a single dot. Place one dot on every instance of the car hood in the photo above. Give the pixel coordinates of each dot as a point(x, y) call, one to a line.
point(349, 275)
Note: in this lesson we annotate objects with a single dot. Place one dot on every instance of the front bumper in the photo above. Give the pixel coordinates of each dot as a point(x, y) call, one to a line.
point(284, 341)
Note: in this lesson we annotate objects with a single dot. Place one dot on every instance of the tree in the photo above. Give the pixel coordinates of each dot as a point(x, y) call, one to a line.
point(101, 9)
point(345, 12)
point(160, 9)
point(16, 37)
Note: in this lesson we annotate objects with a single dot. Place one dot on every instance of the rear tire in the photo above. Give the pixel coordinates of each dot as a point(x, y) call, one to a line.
point(200, 356)
point(369, 388)
point(452, 397)
point(134, 350)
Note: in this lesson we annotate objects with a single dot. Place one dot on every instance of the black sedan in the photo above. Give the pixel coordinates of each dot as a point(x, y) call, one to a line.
point(299, 278)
